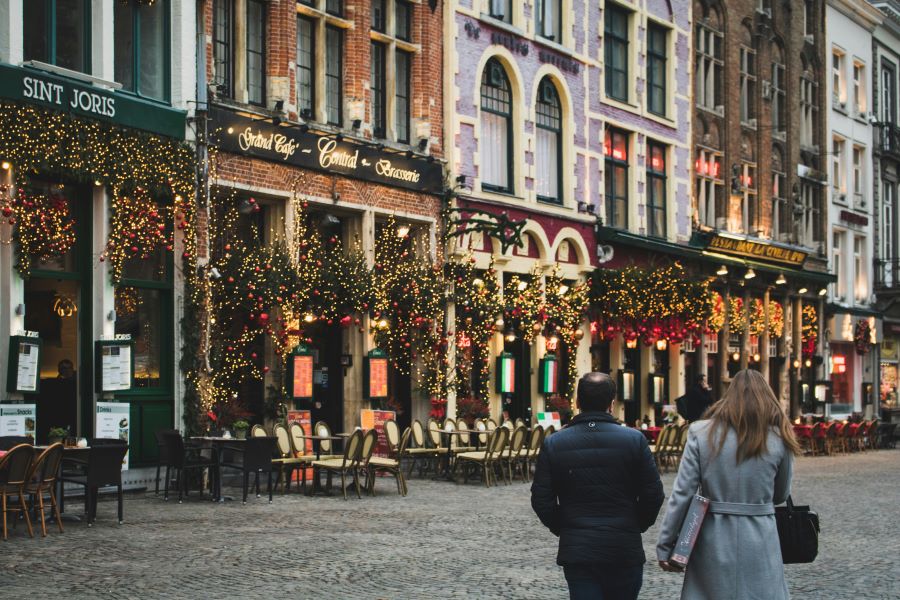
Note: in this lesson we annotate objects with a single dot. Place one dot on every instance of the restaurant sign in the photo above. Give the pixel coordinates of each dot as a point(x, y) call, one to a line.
point(25, 84)
point(757, 250)
point(291, 145)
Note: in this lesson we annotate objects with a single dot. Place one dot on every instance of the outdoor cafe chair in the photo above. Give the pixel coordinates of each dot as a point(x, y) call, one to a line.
point(420, 450)
point(255, 456)
point(463, 441)
point(485, 459)
point(491, 424)
point(104, 468)
point(346, 465)
point(392, 435)
point(298, 446)
point(285, 459)
point(519, 423)
point(549, 431)
point(162, 457)
point(381, 464)
point(511, 454)
point(817, 435)
point(42, 480)
point(326, 448)
point(182, 458)
point(8, 442)
point(530, 451)
point(15, 468)
point(367, 449)
point(258, 431)
point(660, 448)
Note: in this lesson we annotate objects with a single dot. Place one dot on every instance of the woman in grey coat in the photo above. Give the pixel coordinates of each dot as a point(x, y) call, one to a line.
point(741, 459)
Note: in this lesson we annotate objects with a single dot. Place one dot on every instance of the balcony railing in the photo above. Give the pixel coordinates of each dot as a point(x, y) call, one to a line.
point(887, 275)
point(888, 138)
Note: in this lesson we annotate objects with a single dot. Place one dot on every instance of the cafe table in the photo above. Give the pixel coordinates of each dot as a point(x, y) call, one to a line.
point(219, 445)
point(317, 444)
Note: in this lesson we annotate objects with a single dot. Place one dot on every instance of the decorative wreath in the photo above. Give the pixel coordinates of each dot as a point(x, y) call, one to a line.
point(862, 337)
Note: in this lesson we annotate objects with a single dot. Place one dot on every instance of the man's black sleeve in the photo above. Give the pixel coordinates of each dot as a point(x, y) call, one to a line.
point(543, 497)
point(650, 489)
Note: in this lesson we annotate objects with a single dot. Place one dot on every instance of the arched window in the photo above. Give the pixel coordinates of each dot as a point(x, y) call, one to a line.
point(549, 143)
point(709, 59)
point(496, 128)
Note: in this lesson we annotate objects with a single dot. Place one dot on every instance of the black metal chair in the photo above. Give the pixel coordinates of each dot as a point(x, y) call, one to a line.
point(185, 458)
point(255, 456)
point(104, 468)
point(8, 442)
point(162, 458)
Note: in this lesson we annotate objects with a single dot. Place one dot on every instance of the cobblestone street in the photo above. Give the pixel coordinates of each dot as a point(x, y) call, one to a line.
point(443, 541)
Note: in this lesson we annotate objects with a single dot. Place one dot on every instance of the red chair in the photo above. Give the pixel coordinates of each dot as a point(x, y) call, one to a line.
point(818, 439)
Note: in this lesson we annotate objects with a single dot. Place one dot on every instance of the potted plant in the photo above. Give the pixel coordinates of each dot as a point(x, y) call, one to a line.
point(240, 429)
point(558, 404)
point(57, 434)
point(470, 409)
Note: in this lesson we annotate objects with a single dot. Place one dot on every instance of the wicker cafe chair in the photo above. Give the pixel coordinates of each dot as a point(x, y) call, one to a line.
point(511, 454)
point(660, 448)
point(392, 435)
point(491, 424)
point(485, 459)
point(326, 448)
point(42, 480)
point(258, 431)
point(285, 460)
point(15, 468)
point(529, 453)
point(463, 443)
point(369, 441)
point(519, 423)
point(346, 465)
point(549, 431)
point(870, 438)
point(817, 439)
point(420, 451)
point(298, 447)
point(389, 465)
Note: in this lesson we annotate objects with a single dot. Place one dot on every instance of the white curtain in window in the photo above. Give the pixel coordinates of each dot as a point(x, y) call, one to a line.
point(494, 150)
point(548, 9)
point(547, 171)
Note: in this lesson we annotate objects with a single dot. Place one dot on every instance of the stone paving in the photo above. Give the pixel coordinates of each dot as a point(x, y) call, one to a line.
point(443, 541)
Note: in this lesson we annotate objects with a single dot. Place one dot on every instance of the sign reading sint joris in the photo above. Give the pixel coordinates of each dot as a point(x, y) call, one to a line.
point(291, 145)
point(757, 250)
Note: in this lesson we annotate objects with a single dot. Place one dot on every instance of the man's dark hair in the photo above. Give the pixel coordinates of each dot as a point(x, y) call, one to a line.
point(596, 391)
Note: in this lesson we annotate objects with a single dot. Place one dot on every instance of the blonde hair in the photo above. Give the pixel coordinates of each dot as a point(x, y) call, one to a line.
point(750, 408)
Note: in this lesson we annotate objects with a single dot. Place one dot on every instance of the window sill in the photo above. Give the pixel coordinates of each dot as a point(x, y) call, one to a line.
point(508, 27)
point(627, 106)
point(779, 135)
point(555, 46)
point(713, 111)
point(839, 106)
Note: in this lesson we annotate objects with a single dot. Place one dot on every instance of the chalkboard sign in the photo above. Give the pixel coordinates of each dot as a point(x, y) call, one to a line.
point(375, 375)
point(113, 365)
point(23, 375)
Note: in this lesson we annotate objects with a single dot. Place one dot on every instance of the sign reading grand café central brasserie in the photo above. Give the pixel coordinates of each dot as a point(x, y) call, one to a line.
point(758, 250)
point(289, 145)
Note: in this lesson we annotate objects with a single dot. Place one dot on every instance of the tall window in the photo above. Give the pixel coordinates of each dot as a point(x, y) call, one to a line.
point(859, 191)
point(838, 178)
point(496, 128)
point(657, 50)
point(141, 48)
point(708, 67)
point(838, 86)
point(615, 149)
point(750, 205)
point(859, 88)
point(888, 112)
point(710, 188)
point(379, 15)
point(888, 224)
point(809, 18)
point(306, 65)
point(549, 19)
point(223, 47)
point(403, 19)
point(501, 10)
point(808, 110)
point(656, 193)
point(779, 115)
point(334, 75)
point(549, 143)
point(58, 32)
point(781, 219)
point(403, 96)
point(335, 7)
point(748, 85)
point(810, 212)
point(837, 263)
point(616, 50)
point(379, 91)
point(256, 52)
point(860, 272)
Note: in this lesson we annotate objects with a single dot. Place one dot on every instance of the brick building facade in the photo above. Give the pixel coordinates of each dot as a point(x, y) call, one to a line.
point(351, 84)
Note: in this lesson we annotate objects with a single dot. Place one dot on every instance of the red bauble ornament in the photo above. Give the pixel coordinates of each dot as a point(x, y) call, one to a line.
point(253, 355)
point(265, 369)
point(345, 321)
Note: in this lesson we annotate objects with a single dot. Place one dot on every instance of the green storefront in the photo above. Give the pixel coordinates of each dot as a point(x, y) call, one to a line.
point(95, 192)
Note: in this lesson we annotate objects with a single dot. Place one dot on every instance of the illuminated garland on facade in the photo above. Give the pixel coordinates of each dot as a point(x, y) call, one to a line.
point(862, 336)
point(43, 227)
point(523, 299)
point(809, 334)
point(565, 307)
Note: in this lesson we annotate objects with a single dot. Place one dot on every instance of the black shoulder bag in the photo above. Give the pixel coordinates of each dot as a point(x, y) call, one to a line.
point(798, 532)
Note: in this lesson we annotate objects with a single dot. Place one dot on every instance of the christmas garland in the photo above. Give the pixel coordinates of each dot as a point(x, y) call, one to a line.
point(862, 336)
point(43, 227)
point(523, 305)
point(566, 308)
point(809, 333)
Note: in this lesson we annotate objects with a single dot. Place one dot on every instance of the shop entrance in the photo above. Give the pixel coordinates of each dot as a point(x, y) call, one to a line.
point(328, 375)
point(518, 404)
point(58, 308)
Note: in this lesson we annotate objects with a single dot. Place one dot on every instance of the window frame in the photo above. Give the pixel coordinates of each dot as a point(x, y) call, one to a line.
point(838, 176)
point(405, 119)
point(49, 27)
point(706, 183)
point(888, 108)
point(748, 78)
point(779, 95)
point(136, 53)
point(228, 81)
point(508, 116)
point(558, 130)
point(378, 88)
point(781, 222)
point(654, 175)
point(837, 253)
point(860, 273)
point(612, 166)
point(494, 14)
point(838, 77)
point(750, 198)
point(860, 97)
point(334, 79)
point(655, 56)
point(262, 53)
point(539, 24)
point(611, 40)
point(712, 64)
point(313, 71)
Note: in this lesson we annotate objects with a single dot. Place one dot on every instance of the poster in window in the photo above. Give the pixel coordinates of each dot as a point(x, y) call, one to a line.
point(18, 420)
point(376, 375)
point(114, 366)
point(302, 380)
point(113, 421)
point(24, 364)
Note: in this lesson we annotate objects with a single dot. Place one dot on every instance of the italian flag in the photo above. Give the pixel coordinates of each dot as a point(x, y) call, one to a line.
point(551, 376)
point(507, 375)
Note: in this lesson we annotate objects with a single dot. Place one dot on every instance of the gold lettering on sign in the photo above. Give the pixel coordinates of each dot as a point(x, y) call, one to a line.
point(383, 167)
point(757, 250)
point(285, 146)
point(330, 156)
point(247, 139)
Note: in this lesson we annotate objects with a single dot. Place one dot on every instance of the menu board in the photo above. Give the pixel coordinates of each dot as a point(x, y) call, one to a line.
point(113, 421)
point(302, 376)
point(24, 364)
point(375, 419)
point(114, 365)
point(376, 375)
point(18, 419)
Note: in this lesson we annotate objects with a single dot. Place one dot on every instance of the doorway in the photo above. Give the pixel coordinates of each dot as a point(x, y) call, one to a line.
point(518, 404)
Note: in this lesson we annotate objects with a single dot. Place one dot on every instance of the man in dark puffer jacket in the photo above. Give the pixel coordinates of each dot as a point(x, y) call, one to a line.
point(596, 487)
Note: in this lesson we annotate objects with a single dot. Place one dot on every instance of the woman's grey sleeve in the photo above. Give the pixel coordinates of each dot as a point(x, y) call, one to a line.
point(783, 477)
point(686, 484)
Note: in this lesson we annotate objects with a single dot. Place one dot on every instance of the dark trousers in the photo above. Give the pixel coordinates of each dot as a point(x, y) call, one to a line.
point(604, 583)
